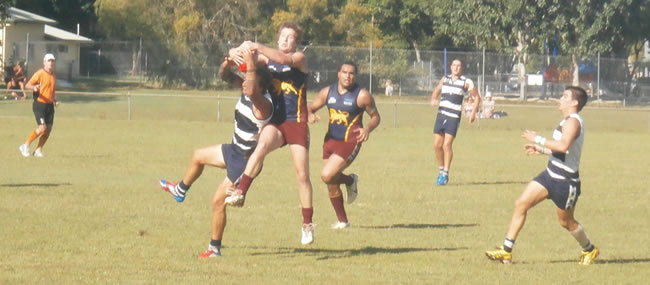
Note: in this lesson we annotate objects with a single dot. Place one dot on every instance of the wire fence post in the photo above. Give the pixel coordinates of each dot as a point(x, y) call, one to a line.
point(218, 108)
point(395, 114)
point(128, 100)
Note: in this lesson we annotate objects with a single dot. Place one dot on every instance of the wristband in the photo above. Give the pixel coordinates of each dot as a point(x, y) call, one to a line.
point(540, 140)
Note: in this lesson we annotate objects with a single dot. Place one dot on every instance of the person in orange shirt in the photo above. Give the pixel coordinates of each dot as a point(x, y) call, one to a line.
point(43, 82)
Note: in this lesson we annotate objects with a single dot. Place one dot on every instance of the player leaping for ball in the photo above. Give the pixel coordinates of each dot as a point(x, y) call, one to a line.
point(289, 123)
point(253, 110)
point(346, 102)
point(560, 180)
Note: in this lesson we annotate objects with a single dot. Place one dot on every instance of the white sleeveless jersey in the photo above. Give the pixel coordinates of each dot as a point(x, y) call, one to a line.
point(566, 165)
point(247, 126)
point(452, 94)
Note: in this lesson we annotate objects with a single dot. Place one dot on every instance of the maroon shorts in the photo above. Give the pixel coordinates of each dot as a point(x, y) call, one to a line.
point(294, 133)
point(347, 150)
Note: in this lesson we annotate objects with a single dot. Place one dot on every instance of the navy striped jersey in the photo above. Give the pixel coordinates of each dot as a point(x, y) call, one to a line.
point(345, 115)
point(289, 93)
point(247, 127)
point(453, 92)
point(565, 165)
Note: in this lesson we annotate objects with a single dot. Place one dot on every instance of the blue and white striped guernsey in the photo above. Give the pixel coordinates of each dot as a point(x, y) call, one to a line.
point(247, 127)
point(565, 165)
point(453, 92)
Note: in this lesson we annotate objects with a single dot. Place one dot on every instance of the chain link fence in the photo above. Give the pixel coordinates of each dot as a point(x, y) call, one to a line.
point(392, 72)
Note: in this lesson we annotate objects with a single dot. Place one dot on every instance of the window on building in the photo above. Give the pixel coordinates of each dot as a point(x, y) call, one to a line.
point(63, 49)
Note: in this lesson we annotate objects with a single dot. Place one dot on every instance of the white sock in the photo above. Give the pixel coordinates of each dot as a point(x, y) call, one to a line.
point(580, 235)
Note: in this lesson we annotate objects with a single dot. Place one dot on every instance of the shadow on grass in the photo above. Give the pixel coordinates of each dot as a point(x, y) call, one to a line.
point(88, 98)
point(609, 261)
point(489, 183)
point(19, 185)
point(420, 226)
point(346, 253)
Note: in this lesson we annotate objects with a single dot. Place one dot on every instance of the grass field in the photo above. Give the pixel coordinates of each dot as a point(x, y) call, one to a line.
point(91, 210)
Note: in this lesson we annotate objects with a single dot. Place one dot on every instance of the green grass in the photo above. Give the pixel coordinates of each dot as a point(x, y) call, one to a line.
point(91, 210)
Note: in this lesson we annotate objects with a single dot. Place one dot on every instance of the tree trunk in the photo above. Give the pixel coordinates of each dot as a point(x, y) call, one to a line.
point(521, 65)
point(576, 70)
point(417, 51)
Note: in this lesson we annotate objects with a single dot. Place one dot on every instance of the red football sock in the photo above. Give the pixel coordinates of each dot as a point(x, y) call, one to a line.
point(337, 203)
point(307, 214)
point(245, 183)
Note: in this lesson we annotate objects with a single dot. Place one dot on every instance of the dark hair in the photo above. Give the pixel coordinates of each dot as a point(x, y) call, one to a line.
point(356, 69)
point(579, 94)
point(460, 60)
point(263, 77)
point(294, 27)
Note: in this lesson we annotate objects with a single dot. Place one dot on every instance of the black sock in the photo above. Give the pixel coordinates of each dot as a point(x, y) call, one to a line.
point(183, 186)
point(215, 243)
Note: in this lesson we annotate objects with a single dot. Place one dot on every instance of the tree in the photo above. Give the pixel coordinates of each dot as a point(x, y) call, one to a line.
point(192, 35)
point(405, 23)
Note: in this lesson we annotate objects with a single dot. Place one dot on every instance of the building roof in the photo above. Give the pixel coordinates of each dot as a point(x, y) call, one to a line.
point(65, 35)
point(18, 15)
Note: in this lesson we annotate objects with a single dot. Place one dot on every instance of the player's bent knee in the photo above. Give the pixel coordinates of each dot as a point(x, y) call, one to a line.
point(326, 177)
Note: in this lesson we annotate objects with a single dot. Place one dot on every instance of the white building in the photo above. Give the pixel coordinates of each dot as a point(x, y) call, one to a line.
point(27, 37)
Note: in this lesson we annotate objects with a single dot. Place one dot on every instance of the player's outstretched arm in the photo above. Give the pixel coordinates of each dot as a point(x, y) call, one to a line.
point(318, 103)
point(253, 87)
point(226, 74)
point(367, 102)
point(296, 59)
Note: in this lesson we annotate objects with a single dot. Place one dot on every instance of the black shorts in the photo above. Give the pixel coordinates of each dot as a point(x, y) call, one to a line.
point(44, 113)
point(446, 124)
point(235, 162)
point(563, 192)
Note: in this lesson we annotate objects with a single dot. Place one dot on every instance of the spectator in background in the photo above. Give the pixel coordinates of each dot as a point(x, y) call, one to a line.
point(17, 81)
point(551, 77)
point(488, 106)
point(389, 87)
point(468, 107)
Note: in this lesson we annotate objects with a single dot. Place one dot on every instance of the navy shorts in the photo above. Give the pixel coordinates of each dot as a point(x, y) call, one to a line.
point(44, 113)
point(446, 124)
point(235, 162)
point(563, 192)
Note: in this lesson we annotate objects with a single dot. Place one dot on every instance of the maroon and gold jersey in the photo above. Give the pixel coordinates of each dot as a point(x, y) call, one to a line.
point(344, 113)
point(289, 93)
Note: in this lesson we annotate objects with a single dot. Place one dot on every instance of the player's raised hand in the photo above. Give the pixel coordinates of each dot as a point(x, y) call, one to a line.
point(529, 135)
point(237, 55)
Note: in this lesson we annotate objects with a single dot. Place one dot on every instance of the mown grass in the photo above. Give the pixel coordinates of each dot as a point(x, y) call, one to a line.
point(91, 210)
